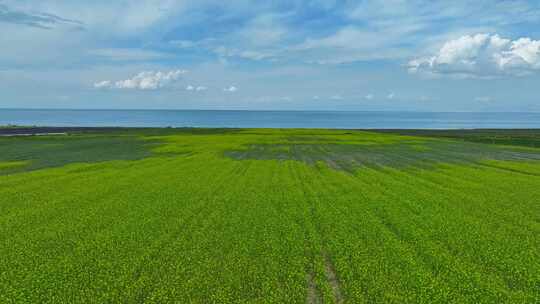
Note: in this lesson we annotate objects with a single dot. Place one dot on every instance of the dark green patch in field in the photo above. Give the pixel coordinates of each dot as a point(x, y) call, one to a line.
point(53, 151)
point(350, 156)
point(181, 131)
point(515, 137)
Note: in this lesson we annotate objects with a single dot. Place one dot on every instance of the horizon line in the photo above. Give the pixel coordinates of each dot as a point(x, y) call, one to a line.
point(260, 110)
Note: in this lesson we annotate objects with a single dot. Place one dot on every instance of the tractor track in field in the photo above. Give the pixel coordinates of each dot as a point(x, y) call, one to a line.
point(332, 279)
point(314, 294)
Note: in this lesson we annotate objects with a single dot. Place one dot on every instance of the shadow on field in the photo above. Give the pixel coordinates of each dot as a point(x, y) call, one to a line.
point(514, 137)
point(32, 148)
point(349, 157)
point(37, 152)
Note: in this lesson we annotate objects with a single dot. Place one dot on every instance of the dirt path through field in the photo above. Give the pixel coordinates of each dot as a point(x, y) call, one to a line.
point(333, 280)
point(313, 296)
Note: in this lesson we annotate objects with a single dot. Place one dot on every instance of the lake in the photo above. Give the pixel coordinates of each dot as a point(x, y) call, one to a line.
point(268, 119)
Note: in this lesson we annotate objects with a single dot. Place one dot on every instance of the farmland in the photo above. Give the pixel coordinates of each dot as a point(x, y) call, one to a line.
point(270, 216)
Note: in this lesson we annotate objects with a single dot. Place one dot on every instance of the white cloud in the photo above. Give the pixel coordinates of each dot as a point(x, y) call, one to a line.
point(125, 54)
point(426, 98)
point(102, 84)
point(336, 97)
point(201, 88)
point(183, 44)
point(264, 30)
point(354, 43)
point(482, 55)
point(147, 80)
point(369, 96)
point(231, 89)
point(391, 96)
point(245, 54)
point(483, 99)
point(286, 98)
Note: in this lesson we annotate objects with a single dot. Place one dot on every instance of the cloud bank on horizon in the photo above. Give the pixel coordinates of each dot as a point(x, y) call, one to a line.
point(350, 55)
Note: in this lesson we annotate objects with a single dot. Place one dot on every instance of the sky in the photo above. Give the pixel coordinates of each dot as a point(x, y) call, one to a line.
point(373, 55)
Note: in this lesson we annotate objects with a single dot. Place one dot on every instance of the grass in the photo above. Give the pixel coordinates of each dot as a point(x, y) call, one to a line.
point(10, 165)
point(273, 216)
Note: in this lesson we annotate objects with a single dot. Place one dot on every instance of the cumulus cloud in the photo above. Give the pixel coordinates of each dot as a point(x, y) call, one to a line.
point(391, 96)
point(146, 80)
point(369, 96)
point(231, 89)
point(482, 55)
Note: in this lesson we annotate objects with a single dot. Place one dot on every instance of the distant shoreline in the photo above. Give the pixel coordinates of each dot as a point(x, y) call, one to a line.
point(271, 110)
point(40, 131)
point(12, 130)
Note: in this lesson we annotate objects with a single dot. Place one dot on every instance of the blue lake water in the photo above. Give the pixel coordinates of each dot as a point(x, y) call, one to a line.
point(268, 119)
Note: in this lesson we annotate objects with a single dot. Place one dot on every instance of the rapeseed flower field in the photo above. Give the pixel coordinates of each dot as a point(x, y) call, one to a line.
point(268, 216)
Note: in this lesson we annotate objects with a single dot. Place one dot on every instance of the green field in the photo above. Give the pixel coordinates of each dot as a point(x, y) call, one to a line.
point(270, 216)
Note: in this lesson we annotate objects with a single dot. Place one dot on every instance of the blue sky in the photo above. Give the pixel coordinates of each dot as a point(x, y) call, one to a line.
point(416, 55)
